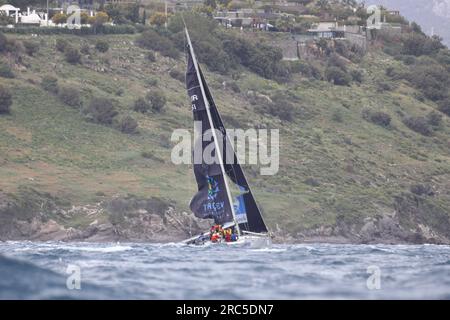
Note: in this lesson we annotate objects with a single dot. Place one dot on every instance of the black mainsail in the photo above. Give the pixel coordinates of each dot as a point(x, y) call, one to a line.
point(213, 199)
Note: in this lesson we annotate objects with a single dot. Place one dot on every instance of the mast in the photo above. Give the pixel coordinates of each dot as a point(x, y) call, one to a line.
point(211, 124)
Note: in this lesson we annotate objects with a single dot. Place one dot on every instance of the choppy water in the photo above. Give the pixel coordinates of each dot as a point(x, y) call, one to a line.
point(170, 271)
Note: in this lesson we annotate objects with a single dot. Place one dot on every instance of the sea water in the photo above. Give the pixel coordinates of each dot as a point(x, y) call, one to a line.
point(55, 270)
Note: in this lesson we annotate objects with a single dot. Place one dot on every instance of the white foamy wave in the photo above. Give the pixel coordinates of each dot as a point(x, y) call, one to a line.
point(101, 249)
point(269, 250)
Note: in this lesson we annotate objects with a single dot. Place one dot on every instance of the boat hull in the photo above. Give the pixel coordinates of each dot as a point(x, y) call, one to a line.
point(245, 241)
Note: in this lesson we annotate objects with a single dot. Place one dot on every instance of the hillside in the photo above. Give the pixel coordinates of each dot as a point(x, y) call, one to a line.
point(344, 175)
point(431, 15)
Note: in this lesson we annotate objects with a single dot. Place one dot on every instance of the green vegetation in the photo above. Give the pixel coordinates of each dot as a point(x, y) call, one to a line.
point(31, 47)
point(101, 110)
point(377, 117)
point(126, 124)
point(70, 96)
point(50, 84)
point(72, 55)
point(157, 100)
point(358, 133)
point(5, 70)
point(5, 100)
point(102, 46)
point(141, 105)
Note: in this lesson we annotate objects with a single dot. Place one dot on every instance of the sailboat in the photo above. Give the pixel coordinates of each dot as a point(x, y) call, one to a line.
point(215, 198)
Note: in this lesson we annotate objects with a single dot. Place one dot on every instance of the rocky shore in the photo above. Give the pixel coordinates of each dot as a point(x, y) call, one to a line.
point(154, 220)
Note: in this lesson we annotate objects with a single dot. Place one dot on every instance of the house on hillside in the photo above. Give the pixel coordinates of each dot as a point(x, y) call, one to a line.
point(33, 18)
point(246, 18)
point(10, 11)
point(325, 29)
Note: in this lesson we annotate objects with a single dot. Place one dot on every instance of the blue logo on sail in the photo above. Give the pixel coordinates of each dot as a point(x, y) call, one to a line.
point(213, 188)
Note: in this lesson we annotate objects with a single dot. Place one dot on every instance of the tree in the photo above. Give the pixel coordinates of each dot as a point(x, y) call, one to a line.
point(98, 20)
point(323, 4)
point(158, 19)
point(210, 3)
point(5, 100)
point(150, 39)
point(84, 18)
point(59, 18)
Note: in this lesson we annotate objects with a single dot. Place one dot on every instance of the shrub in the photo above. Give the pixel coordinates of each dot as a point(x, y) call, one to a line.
point(434, 118)
point(120, 92)
point(176, 74)
point(3, 42)
point(101, 110)
point(151, 56)
point(102, 46)
point(59, 18)
point(141, 105)
point(417, 45)
point(336, 61)
point(421, 189)
point(72, 55)
point(5, 100)
point(418, 124)
point(127, 124)
point(234, 86)
point(50, 84)
point(31, 47)
point(70, 96)
point(5, 70)
point(61, 44)
point(337, 116)
point(150, 39)
point(444, 106)
point(377, 117)
point(357, 75)
point(280, 107)
point(158, 19)
point(152, 82)
point(431, 79)
point(262, 59)
point(157, 100)
point(337, 76)
point(383, 86)
point(407, 59)
point(85, 49)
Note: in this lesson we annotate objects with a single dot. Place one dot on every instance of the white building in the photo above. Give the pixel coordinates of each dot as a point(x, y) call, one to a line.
point(10, 11)
point(33, 18)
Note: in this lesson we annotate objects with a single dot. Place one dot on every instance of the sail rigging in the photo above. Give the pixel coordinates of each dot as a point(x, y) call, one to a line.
point(214, 198)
